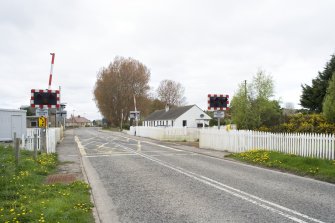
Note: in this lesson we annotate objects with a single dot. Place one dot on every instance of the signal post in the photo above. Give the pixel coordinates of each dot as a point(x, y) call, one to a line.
point(218, 103)
point(43, 100)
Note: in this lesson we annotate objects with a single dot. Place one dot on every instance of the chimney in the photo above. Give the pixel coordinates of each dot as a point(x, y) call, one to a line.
point(167, 107)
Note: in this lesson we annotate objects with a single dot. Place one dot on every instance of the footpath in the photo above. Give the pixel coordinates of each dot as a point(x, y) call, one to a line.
point(70, 166)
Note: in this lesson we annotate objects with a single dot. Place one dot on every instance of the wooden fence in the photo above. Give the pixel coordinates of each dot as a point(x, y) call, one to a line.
point(302, 144)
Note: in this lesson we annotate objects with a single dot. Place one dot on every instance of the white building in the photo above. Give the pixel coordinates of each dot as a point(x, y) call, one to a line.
point(190, 116)
point(12, 121)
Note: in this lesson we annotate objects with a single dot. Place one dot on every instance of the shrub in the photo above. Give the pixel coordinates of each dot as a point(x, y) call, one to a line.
point(308, 123)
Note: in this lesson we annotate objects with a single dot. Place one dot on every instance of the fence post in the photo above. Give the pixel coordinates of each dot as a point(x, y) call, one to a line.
point(14, 138)
point(35, 146)
point(17, 150)
point(43, 140)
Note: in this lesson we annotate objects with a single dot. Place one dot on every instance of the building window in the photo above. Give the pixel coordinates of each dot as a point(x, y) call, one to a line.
point(33, 124)
point(184, 123)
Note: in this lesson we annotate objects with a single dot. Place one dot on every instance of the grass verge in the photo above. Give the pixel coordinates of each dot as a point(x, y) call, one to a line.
point(304, 166)
point(25, 198)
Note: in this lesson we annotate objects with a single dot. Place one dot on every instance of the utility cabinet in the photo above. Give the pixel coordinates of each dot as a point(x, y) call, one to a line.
point(12, 121)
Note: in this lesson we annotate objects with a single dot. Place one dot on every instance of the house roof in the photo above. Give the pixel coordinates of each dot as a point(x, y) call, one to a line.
point(78, 119)
point(172, 114)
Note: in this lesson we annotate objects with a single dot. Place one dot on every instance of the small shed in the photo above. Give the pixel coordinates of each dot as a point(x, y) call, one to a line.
point(12, 121)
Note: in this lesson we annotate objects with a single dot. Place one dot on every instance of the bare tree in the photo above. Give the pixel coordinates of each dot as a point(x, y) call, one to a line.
point(171, 93)
point(116, 87)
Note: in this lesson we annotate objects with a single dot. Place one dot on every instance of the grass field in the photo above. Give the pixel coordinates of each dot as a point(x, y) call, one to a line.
point(315, 168)
point(24, 197)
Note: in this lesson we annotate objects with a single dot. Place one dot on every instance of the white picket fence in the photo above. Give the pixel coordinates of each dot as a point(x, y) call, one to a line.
point(166, 133)
point(302, 144)
point(53, 136)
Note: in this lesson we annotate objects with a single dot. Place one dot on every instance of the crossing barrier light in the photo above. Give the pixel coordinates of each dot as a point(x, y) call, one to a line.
point(218, 102)
point(45, 98)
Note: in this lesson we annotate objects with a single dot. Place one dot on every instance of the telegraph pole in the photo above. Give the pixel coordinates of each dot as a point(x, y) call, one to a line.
point(121, 118)
point(245, 88)
point(136, 119)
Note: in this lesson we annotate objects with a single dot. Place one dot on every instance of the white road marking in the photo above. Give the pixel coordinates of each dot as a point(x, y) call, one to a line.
point(84, 140)
point(91, 142)
point(155, 151)
point(102, 145)
point(80, 146)
point(172, 154)
point(167, 147)
point(111, 155)
point(276, 208)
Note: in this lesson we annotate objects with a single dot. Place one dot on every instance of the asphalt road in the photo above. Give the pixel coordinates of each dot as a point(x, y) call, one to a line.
point(155, 182)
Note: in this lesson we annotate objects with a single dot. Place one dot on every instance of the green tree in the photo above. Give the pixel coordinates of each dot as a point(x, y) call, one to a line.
point(240, 108)
point(329, 102)
point(313, 96)
point(252, 107)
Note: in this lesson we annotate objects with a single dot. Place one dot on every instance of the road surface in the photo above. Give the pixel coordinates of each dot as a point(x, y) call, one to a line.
point(143, 180)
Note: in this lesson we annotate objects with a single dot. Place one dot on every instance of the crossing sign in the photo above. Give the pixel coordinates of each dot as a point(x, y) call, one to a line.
point(42, 122)
point(41, 112)
point(218, 114)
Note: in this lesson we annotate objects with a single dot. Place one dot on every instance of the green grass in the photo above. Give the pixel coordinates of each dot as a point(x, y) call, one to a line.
point(315, 168)
point(25, 198)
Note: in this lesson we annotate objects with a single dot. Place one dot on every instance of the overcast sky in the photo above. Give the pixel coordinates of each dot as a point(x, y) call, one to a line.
point(208, 46)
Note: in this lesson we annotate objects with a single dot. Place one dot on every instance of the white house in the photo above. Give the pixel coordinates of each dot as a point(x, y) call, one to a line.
point(190, 116)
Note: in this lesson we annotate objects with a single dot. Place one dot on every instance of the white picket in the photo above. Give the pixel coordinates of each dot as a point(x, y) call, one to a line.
point(302, 144)
point(53, 136)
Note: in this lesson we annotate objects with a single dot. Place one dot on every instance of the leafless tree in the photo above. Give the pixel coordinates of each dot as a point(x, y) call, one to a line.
point(171, 93)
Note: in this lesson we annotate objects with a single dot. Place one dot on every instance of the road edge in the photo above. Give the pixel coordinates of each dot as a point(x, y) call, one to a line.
point(104, 210)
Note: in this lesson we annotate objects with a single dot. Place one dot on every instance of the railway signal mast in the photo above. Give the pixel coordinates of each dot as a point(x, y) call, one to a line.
point(218, 103)
point(42, 99)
